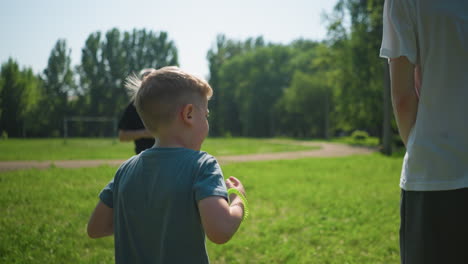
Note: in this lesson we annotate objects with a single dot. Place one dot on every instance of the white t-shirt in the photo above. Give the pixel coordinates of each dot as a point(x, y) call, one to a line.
point(434, 35)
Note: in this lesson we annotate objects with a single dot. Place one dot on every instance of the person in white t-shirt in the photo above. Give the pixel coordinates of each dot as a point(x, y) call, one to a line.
point(431, 36)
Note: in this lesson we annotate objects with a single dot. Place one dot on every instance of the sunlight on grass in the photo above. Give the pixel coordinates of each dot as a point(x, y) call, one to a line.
point(107, 148)
point(322, 210)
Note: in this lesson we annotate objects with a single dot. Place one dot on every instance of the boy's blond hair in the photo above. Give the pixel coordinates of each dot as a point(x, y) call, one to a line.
point(160, 93)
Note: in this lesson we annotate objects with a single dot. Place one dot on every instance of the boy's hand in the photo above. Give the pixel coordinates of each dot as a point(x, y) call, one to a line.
point(233, 182)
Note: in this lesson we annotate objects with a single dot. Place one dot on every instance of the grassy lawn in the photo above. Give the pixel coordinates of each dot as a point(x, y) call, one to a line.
point(322, 210)
point(106, 148)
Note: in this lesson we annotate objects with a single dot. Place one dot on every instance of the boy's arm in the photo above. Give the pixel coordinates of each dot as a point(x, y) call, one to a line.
point(101, 223)
point(220, 220)
point(404, 97)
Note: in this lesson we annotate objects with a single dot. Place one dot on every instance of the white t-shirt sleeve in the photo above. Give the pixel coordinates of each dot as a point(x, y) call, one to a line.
point(399, 30)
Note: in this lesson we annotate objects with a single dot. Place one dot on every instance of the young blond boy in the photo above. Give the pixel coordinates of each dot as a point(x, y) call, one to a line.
point(162, 202)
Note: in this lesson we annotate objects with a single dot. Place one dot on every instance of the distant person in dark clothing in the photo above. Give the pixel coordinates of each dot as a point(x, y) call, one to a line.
point(131, 128)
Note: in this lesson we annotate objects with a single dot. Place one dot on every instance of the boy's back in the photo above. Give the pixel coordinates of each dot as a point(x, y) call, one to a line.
point(162, 202)
point(154, 196)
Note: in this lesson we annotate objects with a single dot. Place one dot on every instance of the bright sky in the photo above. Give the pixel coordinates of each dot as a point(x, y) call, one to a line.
point(30, 28)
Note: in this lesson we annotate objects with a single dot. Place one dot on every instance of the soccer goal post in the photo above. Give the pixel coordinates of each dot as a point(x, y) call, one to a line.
point(100, 119)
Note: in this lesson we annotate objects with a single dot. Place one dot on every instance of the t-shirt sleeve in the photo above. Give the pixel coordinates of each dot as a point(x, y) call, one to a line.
point(210, 181)
point(399, 30)
point(107, 194)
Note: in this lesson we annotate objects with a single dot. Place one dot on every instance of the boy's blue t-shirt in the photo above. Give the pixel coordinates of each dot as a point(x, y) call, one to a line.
point(154, 196)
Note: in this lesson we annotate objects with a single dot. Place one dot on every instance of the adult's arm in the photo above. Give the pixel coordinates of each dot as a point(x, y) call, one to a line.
point(130, 126)
point(131, 135)
point(404, 97)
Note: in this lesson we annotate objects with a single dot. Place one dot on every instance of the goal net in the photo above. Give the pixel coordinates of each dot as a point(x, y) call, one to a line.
point(87, 126)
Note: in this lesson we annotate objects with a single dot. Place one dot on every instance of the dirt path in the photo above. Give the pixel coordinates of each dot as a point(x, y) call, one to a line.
point(326, 150)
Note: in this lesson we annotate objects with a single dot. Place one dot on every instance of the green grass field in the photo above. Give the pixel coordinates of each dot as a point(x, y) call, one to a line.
point(321, 210)
point(86, 149)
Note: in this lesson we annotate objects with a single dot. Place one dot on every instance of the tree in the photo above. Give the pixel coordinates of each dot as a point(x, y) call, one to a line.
point(11, 98)
point(224, 116)
point(308, 100)
point(252, 83)
point(107, 61)
point(250, 79)
point(59, 84)
point(358, 88)
point(305, 106)
point(19, 93)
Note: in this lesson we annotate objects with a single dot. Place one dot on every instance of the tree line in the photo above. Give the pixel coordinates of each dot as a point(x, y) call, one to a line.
point(304, 88)
point(261, 89)
point(36, 105)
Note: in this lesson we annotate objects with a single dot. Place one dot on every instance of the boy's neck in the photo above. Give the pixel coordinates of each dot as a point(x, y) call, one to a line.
point(169, 144)
point(175, 139)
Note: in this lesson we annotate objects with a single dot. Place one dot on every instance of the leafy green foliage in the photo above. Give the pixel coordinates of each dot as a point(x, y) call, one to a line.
point(19, 97)
point(305, 88)
point(37, 105)
point(305, 106)
point(249, 82)
point(301, 89)
point(106, 62)
point(257, 80)
point(59, 85)
point(224, 110)
point(367, 142)
point(358, 77)
point(359, 135)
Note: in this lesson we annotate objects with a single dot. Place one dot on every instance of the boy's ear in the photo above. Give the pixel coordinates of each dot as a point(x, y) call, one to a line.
point(187, 114)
